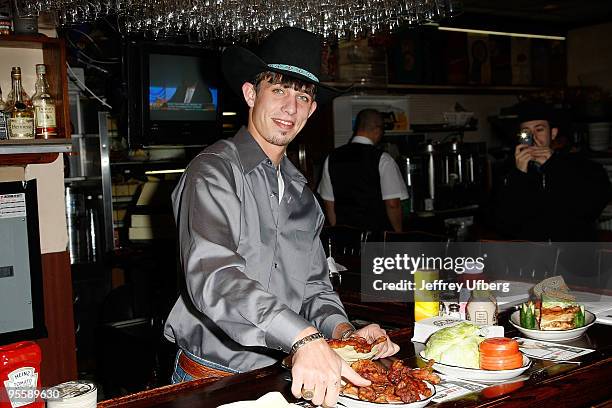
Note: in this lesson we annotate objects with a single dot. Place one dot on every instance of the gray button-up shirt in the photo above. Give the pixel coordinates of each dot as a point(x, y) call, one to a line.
point(255, 270)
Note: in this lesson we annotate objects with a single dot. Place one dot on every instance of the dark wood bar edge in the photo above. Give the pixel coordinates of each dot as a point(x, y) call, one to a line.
point(24, 159)
point(169, 392)
point(158, 393)
point(586, 385)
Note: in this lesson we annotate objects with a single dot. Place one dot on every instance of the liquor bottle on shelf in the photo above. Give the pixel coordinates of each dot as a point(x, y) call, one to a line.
point(20, 115)
point(44, 106)
point(25, 98)
point(3, 128)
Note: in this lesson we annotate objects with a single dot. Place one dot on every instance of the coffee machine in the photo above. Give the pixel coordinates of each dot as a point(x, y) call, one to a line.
point(443, 176)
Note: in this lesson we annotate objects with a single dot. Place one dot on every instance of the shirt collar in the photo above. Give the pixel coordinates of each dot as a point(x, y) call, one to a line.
point(251, 155)
point(362, 140)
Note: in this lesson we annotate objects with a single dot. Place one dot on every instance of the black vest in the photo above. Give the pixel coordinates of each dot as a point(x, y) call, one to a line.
point(353, 171)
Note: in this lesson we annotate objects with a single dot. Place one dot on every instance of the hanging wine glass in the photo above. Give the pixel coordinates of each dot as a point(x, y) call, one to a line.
point(241, 20)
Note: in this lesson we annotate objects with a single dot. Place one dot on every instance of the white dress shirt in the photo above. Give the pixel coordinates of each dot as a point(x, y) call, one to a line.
point(391, 182)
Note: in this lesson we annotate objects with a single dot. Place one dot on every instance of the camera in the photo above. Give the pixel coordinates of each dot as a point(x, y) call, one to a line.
point(525, 137)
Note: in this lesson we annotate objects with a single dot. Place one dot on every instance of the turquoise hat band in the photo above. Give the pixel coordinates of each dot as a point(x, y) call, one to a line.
point(295, 70)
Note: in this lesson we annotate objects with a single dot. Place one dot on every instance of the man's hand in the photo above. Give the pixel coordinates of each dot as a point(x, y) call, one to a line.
point(373, 331)
point(317, 368)
point(522, 157)
point(541, 154)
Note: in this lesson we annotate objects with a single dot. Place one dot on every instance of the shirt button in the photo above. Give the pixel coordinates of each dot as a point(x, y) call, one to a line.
point(269, 161)
point(275, 265)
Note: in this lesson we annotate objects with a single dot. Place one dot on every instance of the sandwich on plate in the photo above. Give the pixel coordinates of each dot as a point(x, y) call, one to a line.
point(559, 311)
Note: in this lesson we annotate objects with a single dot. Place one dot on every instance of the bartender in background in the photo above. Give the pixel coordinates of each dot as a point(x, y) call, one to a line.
point(361, 185)
point(548, 195)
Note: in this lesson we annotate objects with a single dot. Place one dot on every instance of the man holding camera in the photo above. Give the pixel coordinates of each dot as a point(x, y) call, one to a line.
point(548, 195)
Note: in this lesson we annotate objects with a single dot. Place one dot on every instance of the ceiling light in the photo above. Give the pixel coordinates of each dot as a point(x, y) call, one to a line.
point(509, 34)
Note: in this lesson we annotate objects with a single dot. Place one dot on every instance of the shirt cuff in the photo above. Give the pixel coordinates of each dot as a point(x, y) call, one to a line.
point(326, 197)
point(330, 323)
point(283, 329)
point(401, 196)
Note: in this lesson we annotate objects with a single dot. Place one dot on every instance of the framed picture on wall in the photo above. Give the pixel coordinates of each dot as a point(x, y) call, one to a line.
point(21, 292)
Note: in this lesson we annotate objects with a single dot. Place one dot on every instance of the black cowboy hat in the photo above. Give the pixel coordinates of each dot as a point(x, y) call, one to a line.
point(533, 110)
point(289, 51)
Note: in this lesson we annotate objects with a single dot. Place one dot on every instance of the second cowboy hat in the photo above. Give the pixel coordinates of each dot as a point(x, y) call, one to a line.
point(530, 110)
point(289, 51)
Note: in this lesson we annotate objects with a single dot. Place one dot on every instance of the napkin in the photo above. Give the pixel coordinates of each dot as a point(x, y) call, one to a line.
point(334, 266)
point(270, 400)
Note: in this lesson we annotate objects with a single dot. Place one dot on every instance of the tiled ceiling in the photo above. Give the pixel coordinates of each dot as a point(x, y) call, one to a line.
point(565, 13)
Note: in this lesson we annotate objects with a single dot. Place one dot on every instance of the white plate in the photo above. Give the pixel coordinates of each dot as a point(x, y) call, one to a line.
point(353, 402)
point(477, 374)
point(553, 335)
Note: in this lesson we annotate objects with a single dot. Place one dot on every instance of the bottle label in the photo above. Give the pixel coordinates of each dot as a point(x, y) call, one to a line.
point(45, 116)
point(481, 317)
point(3, 127)
point(21, 128)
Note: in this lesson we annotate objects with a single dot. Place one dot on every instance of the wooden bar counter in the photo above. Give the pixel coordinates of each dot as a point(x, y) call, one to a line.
point(545, 384)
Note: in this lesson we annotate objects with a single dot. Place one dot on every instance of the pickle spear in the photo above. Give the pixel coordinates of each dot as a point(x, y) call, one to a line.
point(528, 317)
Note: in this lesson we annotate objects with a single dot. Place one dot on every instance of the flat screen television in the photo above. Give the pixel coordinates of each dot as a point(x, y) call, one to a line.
point(175, 95)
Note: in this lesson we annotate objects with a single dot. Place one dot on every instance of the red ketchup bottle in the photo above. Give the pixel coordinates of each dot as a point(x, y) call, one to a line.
point(20, 376)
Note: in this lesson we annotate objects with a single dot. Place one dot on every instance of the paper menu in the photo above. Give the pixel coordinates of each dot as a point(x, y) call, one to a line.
point(547, 350)
point(451, 388)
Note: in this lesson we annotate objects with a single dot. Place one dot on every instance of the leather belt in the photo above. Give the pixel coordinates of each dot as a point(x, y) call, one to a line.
point(197, 370)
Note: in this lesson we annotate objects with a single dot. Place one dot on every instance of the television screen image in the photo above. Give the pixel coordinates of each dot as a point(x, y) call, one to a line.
point(178, 89)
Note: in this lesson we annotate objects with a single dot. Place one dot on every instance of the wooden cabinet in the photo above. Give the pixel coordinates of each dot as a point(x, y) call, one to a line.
point(41, 159)
point(54, 56)
point(53, 53)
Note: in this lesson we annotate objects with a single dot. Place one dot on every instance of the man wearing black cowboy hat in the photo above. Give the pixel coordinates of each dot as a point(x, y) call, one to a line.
point(256, 275)
point(548, 195)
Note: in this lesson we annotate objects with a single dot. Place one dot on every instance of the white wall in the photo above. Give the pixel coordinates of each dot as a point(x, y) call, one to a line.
point(428, 109)
point(424, 109)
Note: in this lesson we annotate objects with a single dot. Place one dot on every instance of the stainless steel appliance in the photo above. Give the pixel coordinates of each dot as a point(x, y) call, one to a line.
point(85, 233)
point(445, 175)
point(89, 195)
